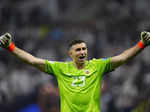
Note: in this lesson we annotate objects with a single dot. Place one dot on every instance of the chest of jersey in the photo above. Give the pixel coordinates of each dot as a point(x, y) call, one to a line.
point(81, 86)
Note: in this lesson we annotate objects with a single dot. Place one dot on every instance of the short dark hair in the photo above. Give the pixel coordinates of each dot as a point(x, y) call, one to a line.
point(73, 42)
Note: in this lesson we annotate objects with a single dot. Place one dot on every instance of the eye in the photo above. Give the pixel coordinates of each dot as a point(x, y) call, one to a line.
point(78, 49)
point(84, 48)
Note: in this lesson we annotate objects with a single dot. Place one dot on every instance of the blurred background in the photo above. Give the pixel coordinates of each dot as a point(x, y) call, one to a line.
point(44, 27)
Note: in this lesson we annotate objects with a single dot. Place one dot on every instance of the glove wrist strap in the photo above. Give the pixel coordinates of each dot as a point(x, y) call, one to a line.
point(141, 44)
point(11, 47)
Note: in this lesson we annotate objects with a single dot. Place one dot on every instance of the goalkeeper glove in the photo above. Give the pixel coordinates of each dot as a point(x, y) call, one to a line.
point(5, 40)
point(145, 38)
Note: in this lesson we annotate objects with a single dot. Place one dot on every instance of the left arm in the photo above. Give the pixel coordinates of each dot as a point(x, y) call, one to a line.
point(130, 53)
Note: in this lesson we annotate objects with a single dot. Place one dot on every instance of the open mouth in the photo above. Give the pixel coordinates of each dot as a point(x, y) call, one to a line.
point(82, 57)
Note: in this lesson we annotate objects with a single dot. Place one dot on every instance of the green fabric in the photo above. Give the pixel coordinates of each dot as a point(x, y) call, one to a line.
point(79, 89)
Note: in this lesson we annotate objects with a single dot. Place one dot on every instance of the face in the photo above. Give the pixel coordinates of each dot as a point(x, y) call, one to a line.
point(78, 53)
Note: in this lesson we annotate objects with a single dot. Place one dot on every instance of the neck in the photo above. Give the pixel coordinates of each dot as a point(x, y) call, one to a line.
point(79, 65)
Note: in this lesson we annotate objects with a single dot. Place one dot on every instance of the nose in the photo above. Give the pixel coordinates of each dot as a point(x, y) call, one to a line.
point(82, 51)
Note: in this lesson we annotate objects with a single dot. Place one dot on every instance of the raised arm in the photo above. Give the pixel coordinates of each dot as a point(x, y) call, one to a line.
point(130, 53)
point(6, 42)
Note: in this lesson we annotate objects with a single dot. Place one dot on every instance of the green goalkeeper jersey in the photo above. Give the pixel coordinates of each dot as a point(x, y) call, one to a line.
point(79, 89)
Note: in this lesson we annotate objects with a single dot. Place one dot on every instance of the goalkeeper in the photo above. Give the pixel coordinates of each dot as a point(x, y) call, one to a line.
point(79, 80)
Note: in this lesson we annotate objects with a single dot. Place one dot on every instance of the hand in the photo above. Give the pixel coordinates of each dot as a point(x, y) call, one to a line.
point(145, 37)
point(5, 40)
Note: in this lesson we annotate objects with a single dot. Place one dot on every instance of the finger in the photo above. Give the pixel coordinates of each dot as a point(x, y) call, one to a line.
point(4, 39)
point(2, 42)
point(7, 35)
point(146, 36)
point(143, 33)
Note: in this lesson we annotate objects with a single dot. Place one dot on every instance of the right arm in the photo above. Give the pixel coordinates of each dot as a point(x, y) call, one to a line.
point(6, 42)
point(29, 59)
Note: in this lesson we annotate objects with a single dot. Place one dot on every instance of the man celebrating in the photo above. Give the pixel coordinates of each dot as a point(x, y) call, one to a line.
point(79, 80)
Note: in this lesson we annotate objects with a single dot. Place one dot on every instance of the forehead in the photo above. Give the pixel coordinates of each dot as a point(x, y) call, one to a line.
point(80, 45)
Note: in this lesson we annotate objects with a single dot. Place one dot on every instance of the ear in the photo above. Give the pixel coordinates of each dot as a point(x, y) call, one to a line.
point(70, 53)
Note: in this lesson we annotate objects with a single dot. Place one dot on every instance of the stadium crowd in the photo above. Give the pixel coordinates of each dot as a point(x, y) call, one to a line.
point(44, 28)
